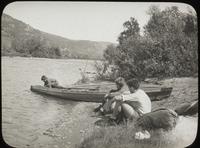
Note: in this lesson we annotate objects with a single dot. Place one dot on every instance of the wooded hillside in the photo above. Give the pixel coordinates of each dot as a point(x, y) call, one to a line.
point(19, 38)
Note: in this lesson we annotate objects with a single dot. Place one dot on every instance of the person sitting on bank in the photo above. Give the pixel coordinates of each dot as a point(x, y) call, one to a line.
point(132, 105)
point(108, 102)
point(49, 82)
point(111, 103)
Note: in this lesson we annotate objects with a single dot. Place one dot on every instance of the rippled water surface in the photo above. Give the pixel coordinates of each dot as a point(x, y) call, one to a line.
point(26, 114)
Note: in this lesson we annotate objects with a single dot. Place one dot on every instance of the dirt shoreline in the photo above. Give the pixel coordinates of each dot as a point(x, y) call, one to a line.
point(69, 132)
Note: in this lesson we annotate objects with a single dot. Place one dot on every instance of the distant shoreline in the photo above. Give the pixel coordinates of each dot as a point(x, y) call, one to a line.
point(63, 58)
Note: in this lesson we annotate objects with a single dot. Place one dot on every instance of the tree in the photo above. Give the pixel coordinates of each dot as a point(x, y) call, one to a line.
point(37, 46)
point(171, 30)
point(126, 59)
point(110, 54)
point(167, 49)
point(57, 51)
point(131, 28)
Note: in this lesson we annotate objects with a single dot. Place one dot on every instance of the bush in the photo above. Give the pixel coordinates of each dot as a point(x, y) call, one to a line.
point(105, 71)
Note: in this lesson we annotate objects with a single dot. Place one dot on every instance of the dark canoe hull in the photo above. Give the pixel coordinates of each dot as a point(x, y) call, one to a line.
point(92, 94)
point(76, 95)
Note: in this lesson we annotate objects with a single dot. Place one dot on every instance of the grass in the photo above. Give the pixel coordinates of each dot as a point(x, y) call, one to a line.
point(123, 137)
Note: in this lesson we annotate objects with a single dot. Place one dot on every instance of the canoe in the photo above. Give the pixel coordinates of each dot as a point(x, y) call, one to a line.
point(95, 93)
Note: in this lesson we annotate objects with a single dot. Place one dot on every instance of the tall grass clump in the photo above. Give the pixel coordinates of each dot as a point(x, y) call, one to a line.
point(124, 137)
point(84, 77)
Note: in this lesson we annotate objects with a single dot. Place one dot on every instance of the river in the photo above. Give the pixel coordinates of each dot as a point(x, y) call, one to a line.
point(29, 119)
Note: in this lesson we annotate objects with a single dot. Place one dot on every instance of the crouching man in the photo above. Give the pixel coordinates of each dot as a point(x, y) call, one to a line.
point(109, 102)
point(48, 82)
point(133, 105)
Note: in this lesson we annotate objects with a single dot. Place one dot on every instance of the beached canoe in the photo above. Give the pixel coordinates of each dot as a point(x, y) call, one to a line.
point(94, 93)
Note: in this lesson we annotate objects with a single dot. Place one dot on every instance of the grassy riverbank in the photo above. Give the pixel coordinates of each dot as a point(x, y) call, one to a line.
point(184, 90)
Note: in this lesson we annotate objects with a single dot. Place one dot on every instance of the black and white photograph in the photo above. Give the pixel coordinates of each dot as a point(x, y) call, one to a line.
point(99, 74)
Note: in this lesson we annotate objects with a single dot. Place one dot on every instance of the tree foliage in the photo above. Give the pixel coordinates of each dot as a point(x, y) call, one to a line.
point(168, 47)
point(35, 46)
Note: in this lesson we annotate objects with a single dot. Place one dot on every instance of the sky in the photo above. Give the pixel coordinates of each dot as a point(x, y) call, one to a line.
point(95, 21)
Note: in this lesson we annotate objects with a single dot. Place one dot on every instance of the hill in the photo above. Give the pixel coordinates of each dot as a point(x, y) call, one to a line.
point(16, 34)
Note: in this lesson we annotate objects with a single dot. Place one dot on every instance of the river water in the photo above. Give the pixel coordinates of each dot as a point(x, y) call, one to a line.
point(26, 115)
point(30, 120)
